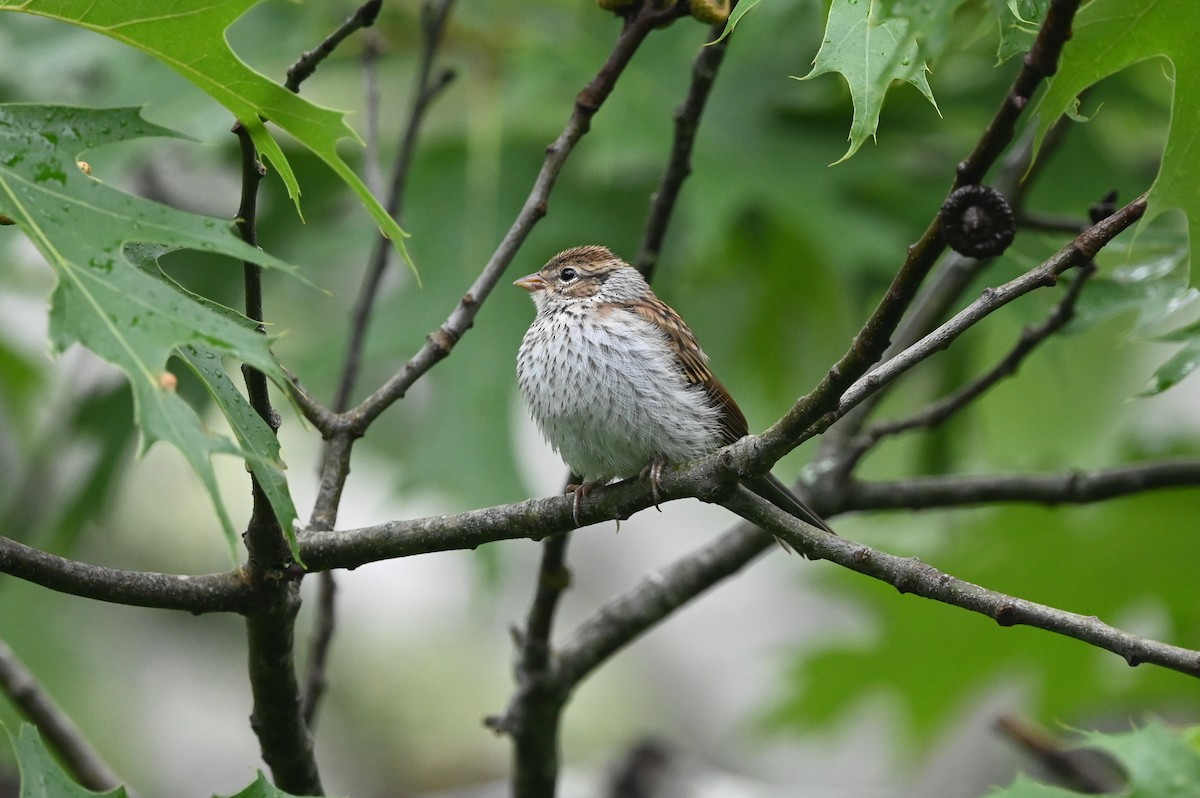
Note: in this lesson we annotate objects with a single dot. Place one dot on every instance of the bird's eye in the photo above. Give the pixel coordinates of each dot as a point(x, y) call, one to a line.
point(567, 274)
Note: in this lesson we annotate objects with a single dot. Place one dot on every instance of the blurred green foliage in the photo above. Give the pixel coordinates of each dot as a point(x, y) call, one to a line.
point(774, 257)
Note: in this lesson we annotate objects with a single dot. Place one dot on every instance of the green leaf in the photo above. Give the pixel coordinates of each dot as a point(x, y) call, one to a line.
point(941, 659)
point(734, 17)
point(189, 37)
point(107, 298)
point(1026, 787)
point(41, 776)
point(870, 50)
point(1019, 22)
point(1158, 762)
point(1110, 35)
point(1151, 282)
point(261, 788)
point(1183, 363)
point(259, 444)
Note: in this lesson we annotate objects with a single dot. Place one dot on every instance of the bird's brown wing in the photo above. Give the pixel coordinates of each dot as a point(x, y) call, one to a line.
point(694, 364)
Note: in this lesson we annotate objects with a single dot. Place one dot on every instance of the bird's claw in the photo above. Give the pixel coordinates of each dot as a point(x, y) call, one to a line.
point(580, 492)
point(653, 472)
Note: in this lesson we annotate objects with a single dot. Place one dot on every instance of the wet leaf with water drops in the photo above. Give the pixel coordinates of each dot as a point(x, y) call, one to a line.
point(111, 296)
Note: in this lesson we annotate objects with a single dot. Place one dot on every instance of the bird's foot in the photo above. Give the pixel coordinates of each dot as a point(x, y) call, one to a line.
point(581, 492)
point(653, 472)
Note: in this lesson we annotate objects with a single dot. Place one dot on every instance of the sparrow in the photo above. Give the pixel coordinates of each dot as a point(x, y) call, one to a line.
point(618, 383)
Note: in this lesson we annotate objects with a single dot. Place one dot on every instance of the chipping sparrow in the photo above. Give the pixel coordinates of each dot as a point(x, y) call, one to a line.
point(617, 381)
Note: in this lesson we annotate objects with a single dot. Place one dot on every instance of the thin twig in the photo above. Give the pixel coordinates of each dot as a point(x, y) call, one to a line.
point(941, 410)
point(227, 592)
point(1051, 223)
point(954, 274)
point(441, 341)
point(300, 71)
point(277, 719)
point(910, 575)
point(324, 624)
point(532, 717)
point(1078, 252)
point(426, 89)
point(336, 461)
point(874, 337)
point(57, 729)
point(1069, 767)
point(628, 616)
point(1065, 487)
point(679, 165)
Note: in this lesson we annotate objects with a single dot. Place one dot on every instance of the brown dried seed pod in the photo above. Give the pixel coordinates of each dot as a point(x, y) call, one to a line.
point(977, 221)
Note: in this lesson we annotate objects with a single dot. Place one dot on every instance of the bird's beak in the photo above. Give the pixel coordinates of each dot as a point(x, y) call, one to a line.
point(531, 282)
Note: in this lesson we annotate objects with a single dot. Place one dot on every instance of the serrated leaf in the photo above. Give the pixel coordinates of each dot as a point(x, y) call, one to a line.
point(1025, 787)
point(189, 37)
point(259, 444)
point(1019, 22)
point(1153, 283)
point(928, 23)
point(129, 315)
point(1183, 363)
point(1158, 763)
point(261, 788)
point(41, 776)
point(734, 17)
point(870, 52)
point(1108, 36)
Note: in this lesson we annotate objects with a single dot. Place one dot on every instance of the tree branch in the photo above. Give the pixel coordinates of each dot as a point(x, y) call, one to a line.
point(910, 575)
point(539, 518)
point(228, 592)
point(56, 727)
point(938, 294)
point(441, 341)
point(874, 337)
point(533, 714)
point(336, 462)
point(626, 617)
point(1068, 487)
point(278, 717)
point(300, 71)
point(938, 412)
point(426, 89)
point(679, 165)
point(1076, 253)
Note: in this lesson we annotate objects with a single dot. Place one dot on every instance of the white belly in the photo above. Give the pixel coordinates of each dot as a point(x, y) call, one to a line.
point(609, 397)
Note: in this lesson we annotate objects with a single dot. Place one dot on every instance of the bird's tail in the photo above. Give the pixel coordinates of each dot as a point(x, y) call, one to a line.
point(774, 491)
